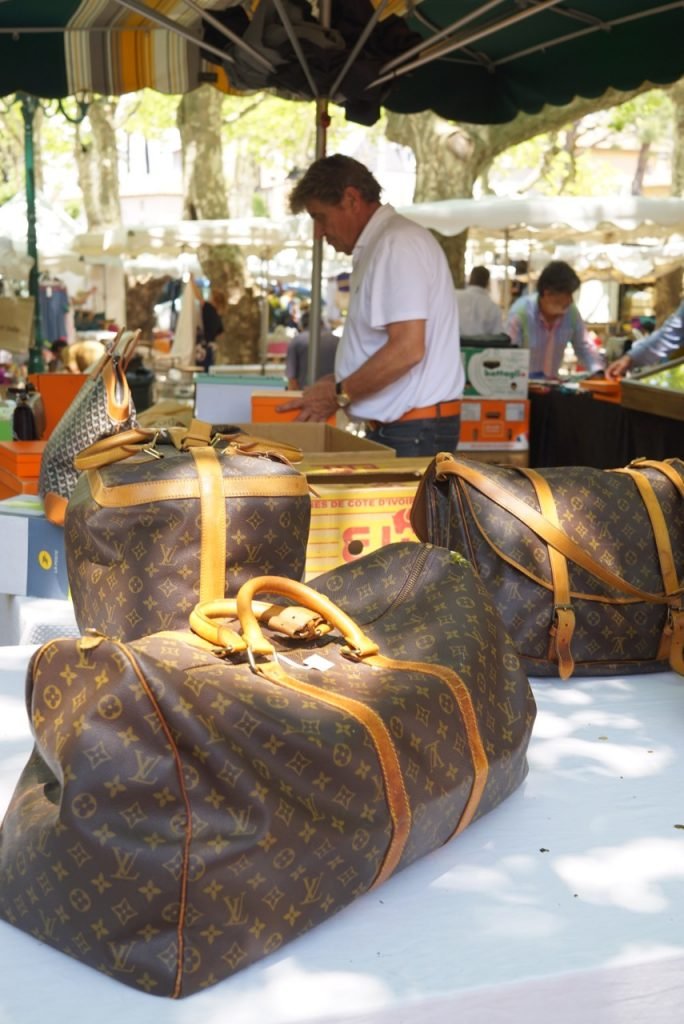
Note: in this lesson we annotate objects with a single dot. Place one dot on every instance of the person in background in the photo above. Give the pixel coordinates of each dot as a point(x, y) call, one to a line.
point(296, 363)
point(211, 312)
point(547, 319)
point(477, 311)
point(661, 344)
point(398, 364)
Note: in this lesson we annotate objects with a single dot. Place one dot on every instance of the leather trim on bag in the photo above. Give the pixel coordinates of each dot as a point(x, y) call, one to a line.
point(472, 730)
point(145, 492)
point(212, 582)
point(187, 839)
point(548, 533)
point(663, 545)
point(55, 506)
point(562, 625)
point(395, 791)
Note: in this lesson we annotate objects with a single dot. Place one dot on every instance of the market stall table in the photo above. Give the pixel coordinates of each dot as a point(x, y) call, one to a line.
point(564, 904)
point(575, 429)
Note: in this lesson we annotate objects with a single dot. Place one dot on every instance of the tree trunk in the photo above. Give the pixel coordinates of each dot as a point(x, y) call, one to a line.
point(97, 161)
point(199, 120)
point(676, 93)
point(642, 164)
point(204, 186)
point(667, 294)
point(451, 157)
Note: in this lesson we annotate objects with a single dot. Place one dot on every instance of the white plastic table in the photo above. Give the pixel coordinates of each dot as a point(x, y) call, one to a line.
point(564, 905)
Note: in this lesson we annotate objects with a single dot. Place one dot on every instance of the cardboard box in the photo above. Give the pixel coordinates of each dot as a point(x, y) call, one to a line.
point(58, 391)
point(494, 420)
point(496, 372)
point(227, 398)
point(323, 445)
point(264, 404)
point(351, 520)
point(31, 551)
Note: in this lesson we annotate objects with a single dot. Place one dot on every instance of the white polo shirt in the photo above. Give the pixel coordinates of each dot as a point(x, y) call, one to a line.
point(399, 272)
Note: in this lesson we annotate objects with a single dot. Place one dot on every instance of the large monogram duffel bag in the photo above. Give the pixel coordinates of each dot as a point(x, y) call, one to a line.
point(157, 523)
point(585, 565)
point(195, 800)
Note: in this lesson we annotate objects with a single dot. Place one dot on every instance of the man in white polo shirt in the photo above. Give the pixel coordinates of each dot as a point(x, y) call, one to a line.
point(398, 363)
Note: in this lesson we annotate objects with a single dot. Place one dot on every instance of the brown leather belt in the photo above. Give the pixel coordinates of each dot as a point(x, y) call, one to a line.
point(425, 412)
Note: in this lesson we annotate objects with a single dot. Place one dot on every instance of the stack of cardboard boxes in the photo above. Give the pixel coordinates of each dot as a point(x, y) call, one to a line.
point(495, 414)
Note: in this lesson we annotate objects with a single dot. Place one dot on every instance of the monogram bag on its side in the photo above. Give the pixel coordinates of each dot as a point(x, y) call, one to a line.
point(196, 800)
point(585, 565)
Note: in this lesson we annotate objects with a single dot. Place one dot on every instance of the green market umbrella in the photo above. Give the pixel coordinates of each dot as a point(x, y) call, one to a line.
point(470, 60)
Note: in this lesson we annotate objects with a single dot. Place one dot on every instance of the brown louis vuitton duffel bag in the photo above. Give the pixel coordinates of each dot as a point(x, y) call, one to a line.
point(157, 523)
point(584, 565)
point(194, 801)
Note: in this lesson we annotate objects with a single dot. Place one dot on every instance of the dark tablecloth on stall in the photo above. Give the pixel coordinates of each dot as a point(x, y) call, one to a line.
point(569, 429)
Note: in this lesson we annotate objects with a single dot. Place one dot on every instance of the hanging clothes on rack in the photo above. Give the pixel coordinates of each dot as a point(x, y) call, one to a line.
point(53, 299)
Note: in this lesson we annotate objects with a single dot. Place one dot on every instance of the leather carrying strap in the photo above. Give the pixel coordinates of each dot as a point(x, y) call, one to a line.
point(446, 465)
point(140, 441)
point(563, 624)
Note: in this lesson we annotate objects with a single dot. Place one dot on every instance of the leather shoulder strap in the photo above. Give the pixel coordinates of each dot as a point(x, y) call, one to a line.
point(536, 522)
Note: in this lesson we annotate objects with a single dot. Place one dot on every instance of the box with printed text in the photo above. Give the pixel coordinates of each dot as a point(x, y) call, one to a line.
point(496, 372)
point(31, 550)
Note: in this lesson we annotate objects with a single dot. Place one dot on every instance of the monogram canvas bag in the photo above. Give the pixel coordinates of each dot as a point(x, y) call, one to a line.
point(195, 800)
point(102, 406)
point(585, 565)
point(160, 521)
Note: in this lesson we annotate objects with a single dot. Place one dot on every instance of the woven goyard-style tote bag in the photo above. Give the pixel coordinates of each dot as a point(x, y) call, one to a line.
point(102, 406)
point(195, 800)
point(161, 520)
point(585, 565)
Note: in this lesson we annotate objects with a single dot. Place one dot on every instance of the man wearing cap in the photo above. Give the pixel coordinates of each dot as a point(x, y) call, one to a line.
point(398, 363)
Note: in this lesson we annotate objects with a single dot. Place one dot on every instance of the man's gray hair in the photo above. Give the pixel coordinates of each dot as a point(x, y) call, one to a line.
point(327, 178)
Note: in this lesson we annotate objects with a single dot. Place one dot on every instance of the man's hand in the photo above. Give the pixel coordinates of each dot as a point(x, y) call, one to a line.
point(618, 368)
point(316, 404)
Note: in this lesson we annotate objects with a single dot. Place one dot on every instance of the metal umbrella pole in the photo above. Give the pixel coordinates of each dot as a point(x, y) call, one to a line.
point(29, 105)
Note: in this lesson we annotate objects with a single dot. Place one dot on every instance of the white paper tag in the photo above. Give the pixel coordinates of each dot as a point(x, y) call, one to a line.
point(319, 662)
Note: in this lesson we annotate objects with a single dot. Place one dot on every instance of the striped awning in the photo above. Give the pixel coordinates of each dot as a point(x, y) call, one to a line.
point(470, 60)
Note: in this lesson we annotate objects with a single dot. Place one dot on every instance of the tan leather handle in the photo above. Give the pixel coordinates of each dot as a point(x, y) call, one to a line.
point(446, 465)
point(361, 645)
point(113, 448)
point(208, 619)
point(204, 621)
point(248, 444)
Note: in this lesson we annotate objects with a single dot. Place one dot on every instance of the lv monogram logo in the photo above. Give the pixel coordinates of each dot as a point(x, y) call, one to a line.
point(146, 765)
point(125, 861)
point(236, 910)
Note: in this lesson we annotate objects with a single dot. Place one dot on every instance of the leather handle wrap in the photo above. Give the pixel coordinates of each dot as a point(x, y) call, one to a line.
point(361, 645)
point(113, 448)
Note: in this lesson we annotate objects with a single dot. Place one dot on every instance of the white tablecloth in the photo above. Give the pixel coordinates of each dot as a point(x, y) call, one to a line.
point(564, 905)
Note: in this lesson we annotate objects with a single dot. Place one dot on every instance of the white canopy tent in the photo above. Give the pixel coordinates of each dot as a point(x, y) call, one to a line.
point(55, 231)
point(610, 219)
point(257, 236)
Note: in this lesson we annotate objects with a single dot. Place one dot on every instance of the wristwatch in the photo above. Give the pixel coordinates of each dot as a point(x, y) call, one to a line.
point(343, 399)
